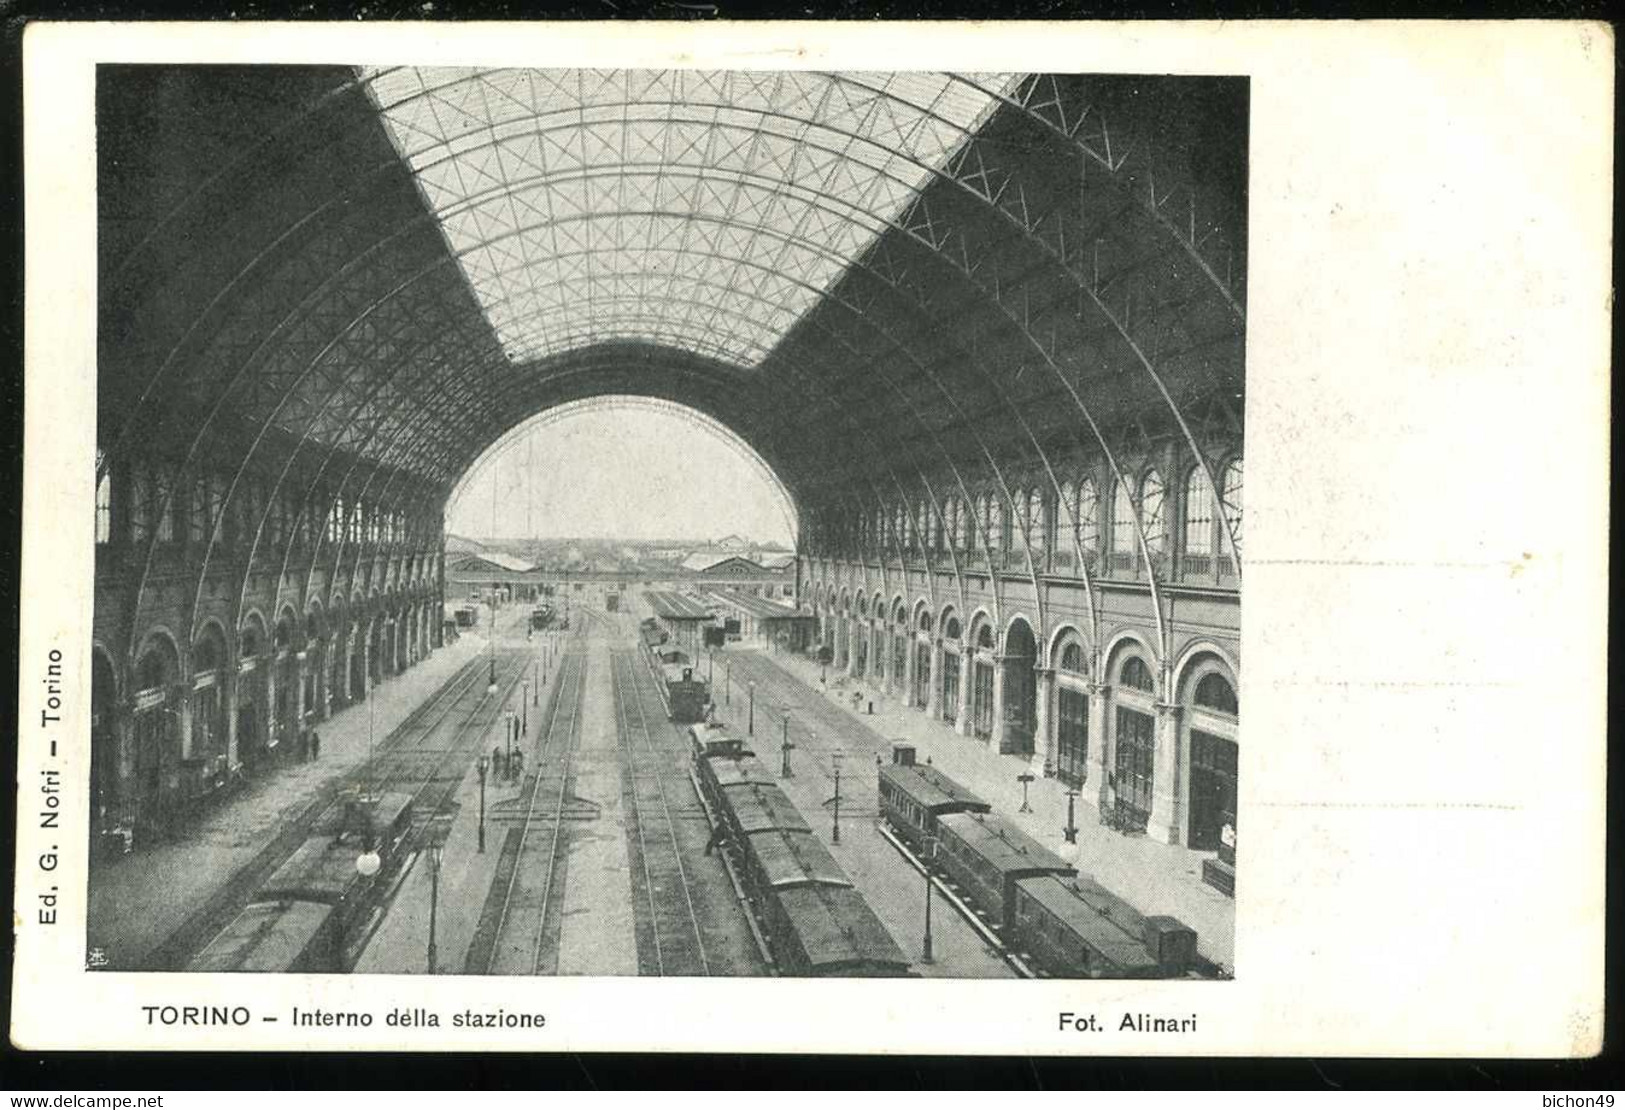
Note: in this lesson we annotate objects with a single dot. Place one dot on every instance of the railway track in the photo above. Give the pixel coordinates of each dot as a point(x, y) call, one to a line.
point(519, 928)
point(405, 747)
point(671, 940)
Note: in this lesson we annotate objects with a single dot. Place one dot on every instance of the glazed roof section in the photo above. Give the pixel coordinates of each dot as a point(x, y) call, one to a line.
point(703, 210)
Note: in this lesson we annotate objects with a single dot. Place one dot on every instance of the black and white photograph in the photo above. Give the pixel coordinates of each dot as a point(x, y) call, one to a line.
point(730, 538)
point(667, 522)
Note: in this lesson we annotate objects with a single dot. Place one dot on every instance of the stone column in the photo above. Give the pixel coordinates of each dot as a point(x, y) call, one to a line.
point(183, 713)
point(1099, 760)
point(300, 663)
point(853, 631)
point(911, 649)
point(1167, 817)
point(269, 659)
point(962, 710)
point(997, 740)
point(1043, 726)
point(228, 697)
point(366, 666)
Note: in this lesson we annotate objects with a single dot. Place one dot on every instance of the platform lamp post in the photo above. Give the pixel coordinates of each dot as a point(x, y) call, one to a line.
point(366, 777)
point(1071, 830)
point(750, 725)
point(482, 763)
point(1025, 778)
point(491, 685)
point(439, 827)
point(728, 683)
point(524, 708)
point(785, 748)
point(835, 759)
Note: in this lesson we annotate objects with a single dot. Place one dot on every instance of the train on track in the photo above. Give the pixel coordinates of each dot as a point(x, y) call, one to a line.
point(812, 920)
point(1066, 924)
point(688, 697)
point(542, 617)
point(311, 912)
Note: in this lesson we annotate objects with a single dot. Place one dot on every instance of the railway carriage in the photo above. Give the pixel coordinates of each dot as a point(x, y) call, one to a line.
point(757, 807)
point(987, 855)
point(713, 738)
point(811, 918)
point(716, 774)
point(913, 798)
point(301, 917)
point(1067, 938)
point(276, 936)
point(814, 921)
point(1078, 928)
point(829, 931)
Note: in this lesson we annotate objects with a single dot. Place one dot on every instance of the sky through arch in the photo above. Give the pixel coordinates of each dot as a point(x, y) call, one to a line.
point(622, 467)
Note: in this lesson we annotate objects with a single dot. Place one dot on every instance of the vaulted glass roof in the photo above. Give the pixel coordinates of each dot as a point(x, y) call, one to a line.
point(704, 210)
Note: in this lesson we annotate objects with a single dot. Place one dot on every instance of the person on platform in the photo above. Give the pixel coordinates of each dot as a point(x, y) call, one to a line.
point(315, 745)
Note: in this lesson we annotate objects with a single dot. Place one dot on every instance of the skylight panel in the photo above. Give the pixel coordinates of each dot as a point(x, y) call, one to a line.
point(706, 209)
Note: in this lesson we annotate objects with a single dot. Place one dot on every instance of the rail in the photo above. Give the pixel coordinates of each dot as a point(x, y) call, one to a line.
point(626, 692)
point(568, 710)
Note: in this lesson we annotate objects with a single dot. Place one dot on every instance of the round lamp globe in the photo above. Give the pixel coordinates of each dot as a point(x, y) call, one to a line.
point(367, 864)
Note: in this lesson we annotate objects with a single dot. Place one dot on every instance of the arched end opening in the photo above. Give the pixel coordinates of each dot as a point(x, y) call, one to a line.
point(106, 769)
point(1071, 709)
point(1134, 737)
point(680, 454)
point(1020, 680)
point(156, 735)
point(1210, 712)
point(210, 734)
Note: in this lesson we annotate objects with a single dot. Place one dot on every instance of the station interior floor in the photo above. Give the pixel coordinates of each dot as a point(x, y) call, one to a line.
point(139, 900)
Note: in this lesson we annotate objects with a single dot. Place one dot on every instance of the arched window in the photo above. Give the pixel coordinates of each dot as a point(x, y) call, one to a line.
point(1088, 519)
point(967, 537)
point(1004, 514)
point(1072, 658)
point(1230, 499)
point(1066, 522)
point(1199, 505)
point(1037, 522)
point(1153, 513)
point(925, 620)
point(1215, 692)
point(1124, 528)
point(1137, 676)
point(104, 502)
point(951, 629)
point(984, 638)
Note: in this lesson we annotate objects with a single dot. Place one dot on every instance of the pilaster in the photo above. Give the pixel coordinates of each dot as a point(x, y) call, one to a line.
point(1043, 713)
point(1166, 816)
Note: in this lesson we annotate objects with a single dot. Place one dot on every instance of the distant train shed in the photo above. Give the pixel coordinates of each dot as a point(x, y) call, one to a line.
point(765, 619)
point(682, 617)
